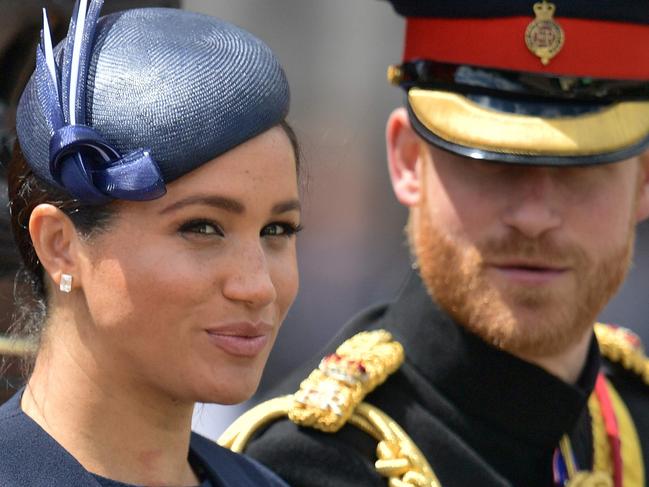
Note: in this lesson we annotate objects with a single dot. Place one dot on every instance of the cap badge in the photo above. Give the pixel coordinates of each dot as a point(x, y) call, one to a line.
point(543, 36)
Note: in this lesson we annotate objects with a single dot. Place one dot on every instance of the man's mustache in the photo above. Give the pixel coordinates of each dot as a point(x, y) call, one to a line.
point(543, 251)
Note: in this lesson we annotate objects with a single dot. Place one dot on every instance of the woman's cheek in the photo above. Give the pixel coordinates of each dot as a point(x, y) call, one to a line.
point(286, 278)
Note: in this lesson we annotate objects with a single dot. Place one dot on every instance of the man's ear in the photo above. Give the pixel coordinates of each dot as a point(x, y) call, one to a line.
point(642, 210)
point(55, 241)
point(404, 151)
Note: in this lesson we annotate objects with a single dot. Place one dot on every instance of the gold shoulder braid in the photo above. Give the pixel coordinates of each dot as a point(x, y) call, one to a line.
point(622, 346)
point(329, 396)
point(332, 396)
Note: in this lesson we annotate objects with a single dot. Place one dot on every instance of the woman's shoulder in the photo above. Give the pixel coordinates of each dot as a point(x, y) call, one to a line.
point(12, 423)
point(11, 407)
point(29, 456)
point(231, 469)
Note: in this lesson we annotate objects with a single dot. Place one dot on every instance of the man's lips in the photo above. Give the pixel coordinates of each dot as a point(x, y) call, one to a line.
point(529, 272)
point(241, 339)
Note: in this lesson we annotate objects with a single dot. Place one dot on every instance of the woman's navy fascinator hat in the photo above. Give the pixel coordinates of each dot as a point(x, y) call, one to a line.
point(133, 100)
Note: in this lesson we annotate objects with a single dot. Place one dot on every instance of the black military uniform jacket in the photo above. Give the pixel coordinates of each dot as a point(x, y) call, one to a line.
point(29, 457)
point(481, 417)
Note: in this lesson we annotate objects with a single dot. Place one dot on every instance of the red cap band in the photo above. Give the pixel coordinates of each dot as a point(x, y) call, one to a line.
point(592, 48)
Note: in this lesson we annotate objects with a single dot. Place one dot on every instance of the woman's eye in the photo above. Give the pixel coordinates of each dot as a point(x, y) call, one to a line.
point(201, 227)
point(280, 230)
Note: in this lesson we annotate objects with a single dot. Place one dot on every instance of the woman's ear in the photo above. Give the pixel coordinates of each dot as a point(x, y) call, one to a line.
point(642, 209)
point(55, 241)
point(404, 151)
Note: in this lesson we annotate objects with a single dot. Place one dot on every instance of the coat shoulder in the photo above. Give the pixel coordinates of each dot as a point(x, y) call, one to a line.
point(325, 434)
point(305, 457)
point(623, 352)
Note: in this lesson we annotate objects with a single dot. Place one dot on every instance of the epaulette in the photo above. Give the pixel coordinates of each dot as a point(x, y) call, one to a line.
point(329, 395)
point(332, 396)
point(622, 346)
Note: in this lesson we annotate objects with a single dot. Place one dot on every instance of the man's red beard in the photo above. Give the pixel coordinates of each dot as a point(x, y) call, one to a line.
point(525, 321)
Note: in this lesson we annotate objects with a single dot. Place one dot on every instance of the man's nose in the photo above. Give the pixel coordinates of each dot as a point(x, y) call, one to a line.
point(534, 205)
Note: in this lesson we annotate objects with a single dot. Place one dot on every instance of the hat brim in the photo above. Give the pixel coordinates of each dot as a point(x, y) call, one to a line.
point(455, 123)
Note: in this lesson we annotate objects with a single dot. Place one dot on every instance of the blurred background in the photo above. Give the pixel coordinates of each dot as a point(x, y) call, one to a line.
point(352, 252)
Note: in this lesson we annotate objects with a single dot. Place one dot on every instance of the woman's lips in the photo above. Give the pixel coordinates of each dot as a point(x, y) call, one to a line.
point(241, 339)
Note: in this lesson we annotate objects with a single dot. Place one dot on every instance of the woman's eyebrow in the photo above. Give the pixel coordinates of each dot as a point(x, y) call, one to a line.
point(222, 202)
point(228, 204)
point(285, 206)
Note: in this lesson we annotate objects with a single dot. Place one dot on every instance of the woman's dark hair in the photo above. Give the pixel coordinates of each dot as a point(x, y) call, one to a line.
point(26, 192)
point(292, 137)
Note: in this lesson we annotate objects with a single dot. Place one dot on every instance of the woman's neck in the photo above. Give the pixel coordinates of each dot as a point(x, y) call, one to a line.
point(113, 426)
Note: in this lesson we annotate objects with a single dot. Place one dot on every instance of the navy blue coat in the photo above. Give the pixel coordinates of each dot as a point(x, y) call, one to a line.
point(29, 457)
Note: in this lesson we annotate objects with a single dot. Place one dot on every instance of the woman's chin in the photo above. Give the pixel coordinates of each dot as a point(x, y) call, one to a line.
point(231, 401)
point(229, 395)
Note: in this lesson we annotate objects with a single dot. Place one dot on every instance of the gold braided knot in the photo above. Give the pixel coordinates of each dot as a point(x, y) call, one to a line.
point(327, 397)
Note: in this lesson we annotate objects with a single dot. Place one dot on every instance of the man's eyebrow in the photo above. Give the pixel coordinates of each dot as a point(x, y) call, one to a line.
point(285, 206)
point(222, 202)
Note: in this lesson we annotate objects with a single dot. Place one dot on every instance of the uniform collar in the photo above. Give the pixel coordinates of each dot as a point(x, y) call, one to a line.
point(487, 384)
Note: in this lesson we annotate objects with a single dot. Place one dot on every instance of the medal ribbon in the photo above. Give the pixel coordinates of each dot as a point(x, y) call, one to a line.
point(564, 465)
point(612, 429)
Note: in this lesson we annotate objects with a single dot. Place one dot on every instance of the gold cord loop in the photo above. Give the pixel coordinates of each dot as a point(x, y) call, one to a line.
point(399, 460)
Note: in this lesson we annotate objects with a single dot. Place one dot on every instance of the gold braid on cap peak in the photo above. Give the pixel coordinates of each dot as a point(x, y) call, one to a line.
point(332, 396)
point(622, 346)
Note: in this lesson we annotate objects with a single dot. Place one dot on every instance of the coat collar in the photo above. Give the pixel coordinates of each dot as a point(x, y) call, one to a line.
point(511, 395)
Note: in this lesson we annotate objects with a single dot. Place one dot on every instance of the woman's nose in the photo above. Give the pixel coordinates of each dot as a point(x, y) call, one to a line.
point(250, 280)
